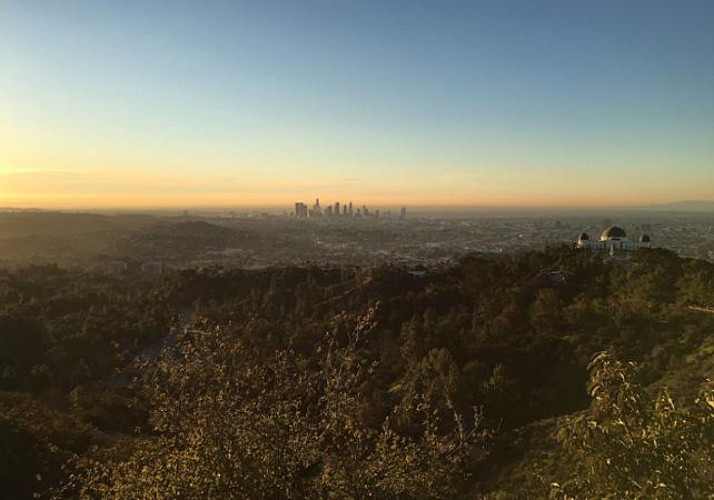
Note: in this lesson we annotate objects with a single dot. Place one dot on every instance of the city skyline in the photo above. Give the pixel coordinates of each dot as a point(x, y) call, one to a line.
point(304, 211)
point(468, 104)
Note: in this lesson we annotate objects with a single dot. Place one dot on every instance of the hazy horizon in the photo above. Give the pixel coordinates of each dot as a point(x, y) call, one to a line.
point(694, 206)
point(474, 105)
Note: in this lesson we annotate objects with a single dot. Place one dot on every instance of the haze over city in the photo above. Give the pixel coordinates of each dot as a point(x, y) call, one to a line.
point(516, 103)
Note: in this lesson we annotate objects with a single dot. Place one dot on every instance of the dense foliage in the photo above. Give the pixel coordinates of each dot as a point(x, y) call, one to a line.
point(632, 444)
point(231, 423)
point(319, 381)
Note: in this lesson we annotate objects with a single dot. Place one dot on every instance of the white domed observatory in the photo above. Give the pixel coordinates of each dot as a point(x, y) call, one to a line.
point(612, 239)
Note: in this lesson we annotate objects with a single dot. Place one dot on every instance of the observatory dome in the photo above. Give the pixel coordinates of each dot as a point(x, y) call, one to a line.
point(613, 232)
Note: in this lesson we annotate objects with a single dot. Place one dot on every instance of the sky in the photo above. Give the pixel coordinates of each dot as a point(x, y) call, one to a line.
point(433, 103)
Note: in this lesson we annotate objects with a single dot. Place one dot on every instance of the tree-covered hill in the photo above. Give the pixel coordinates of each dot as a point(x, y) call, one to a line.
point(472, 379)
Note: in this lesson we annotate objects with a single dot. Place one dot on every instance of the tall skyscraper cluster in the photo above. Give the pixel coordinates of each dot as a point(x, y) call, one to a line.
point(337, 209)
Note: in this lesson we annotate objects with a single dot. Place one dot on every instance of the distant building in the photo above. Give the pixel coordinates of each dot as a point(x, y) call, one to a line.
point(612, 239)
point(316, 209)
point(152, 268)
point(419, 271)
point(116, 267)
point(403, 213)
point(300, 210)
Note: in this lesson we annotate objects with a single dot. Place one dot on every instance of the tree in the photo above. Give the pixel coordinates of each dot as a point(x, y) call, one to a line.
point(633, 445)
point(546, 312)
point(36, 441)
point(696, 285)
point(229, 423)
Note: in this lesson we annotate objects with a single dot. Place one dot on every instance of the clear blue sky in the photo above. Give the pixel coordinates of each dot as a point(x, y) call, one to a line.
point(469, 103)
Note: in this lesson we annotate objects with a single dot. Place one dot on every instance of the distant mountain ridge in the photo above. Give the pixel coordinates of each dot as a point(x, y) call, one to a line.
point(687, 206)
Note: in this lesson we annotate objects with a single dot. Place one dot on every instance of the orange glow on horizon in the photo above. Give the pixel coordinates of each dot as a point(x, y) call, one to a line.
point(161, 188)
point(282, 202)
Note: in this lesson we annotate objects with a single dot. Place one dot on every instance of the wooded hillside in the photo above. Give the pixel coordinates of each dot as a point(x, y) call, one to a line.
point(547, 374)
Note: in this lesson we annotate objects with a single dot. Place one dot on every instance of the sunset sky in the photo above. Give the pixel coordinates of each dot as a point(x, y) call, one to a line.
point(471, 103)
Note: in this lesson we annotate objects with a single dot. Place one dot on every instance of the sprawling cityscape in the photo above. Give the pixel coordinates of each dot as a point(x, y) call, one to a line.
point(368, 237)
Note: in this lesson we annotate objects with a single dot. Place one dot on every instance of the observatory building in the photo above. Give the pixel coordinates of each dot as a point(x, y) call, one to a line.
point(612, 239)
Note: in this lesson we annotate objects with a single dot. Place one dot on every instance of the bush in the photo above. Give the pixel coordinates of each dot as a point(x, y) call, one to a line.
point(633, 445)
point(230, 424)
